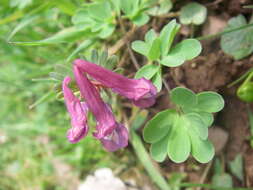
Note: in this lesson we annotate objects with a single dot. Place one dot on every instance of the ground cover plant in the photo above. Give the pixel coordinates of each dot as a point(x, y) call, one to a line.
point(159, 87)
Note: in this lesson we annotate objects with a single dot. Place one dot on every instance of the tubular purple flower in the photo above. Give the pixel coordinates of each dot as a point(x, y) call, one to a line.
point(112, 134)
point(141, 91)
point(78, 112)
point(105, 120)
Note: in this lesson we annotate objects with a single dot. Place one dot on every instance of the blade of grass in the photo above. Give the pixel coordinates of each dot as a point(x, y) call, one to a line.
point(44, 98)
point(147, 162)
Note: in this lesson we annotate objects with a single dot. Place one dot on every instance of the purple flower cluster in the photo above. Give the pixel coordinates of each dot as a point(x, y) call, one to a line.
point(111, 134)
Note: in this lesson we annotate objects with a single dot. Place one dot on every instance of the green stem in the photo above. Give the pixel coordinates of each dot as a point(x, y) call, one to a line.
point(208, 186)
point(240, 78)
point(147, 162)
point(224, 32)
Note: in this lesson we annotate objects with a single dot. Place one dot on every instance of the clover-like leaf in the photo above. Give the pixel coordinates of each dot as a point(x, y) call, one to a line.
point(167, 36)
point(183, 51)
point(193, 13)
point(151, 72)
point(140, 19)
point(158, 150)
point(239, 43)
point(147, 71)
point(150, 36)
point(210, 102)
point(157, 80)
point(179, 145)
point(202, 150)
point(197, 124)
point(155, 51)
point(183, 97)
point(140, 47)
point(159, 126)
point(100, 10)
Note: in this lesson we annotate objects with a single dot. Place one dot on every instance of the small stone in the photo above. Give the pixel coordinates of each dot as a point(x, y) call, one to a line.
point(103, 179)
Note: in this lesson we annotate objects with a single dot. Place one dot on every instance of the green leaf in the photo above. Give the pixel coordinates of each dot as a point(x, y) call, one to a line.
point(239, 43)
point(183, 51)
point(84, 45)
point(236, 167)
point(163, 8)
point(81, 19)
point(158, 150)
point(147, 71)
point(202, 150)
point(26, 21)
point(179, 146)
point(140, 47)
point(100, 11)
point(183, 97)
point(198, 125)
point(159, 126)
point(167, 36)
point(140, 19)
point(154, 51)
point(210, 102)
point(150, 36)
point(106, 31)
point(66, 35)
point(206, 117)
point(193, 13)
point(157, 80)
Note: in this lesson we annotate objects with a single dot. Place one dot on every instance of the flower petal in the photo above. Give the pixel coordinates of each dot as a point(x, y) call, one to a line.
point(78, 113)
point(118, 139)
point(134, 89)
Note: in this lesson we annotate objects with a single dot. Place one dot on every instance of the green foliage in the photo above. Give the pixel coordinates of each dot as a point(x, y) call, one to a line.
point(193, 13)
point(163, 7)
point(245, 91)
point(151, 72)
point(179, 133)
point(134, 10)
point(239, 44)
point(98, 17)
point(158, 49)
